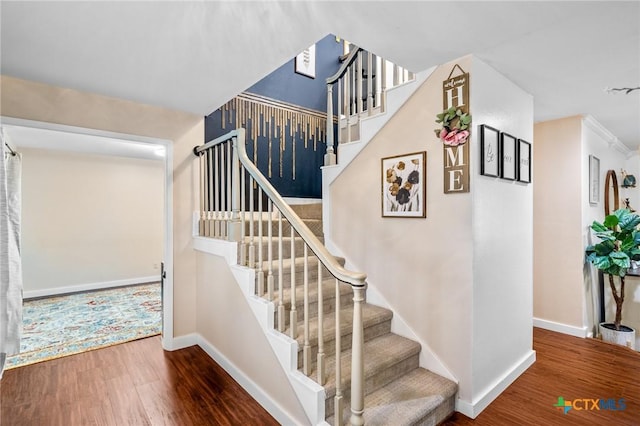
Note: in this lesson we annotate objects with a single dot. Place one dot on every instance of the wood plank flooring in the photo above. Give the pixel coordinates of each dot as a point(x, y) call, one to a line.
point(573, 368)
point(138, 383)
point(135, 383)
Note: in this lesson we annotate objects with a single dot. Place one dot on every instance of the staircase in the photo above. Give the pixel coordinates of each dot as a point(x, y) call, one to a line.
point(398, 391)
point(338, 352)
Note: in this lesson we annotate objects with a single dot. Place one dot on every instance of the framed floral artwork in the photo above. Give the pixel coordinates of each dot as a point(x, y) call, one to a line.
point(404, 186)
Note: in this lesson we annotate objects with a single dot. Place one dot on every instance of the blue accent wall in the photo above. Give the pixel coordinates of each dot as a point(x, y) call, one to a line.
point(285, 85)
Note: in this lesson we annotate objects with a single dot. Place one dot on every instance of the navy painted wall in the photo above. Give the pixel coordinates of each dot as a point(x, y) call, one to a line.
point(285, 85)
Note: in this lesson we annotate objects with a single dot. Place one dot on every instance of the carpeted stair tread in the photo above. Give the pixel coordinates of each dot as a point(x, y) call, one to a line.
point(314, 225)
point(308, 211)
point(299, 266)
point(371, 315)
point(409, 399)
point(381, 353)
point(328, 291)
point(264, 243)
point(415, 398)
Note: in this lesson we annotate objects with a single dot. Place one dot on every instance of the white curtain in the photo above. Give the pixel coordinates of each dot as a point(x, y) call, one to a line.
point(10, 261)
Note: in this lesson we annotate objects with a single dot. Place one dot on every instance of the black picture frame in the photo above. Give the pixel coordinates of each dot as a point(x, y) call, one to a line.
point(490, 151)
point(508, 156)
point(524, 161)
point(594, 179)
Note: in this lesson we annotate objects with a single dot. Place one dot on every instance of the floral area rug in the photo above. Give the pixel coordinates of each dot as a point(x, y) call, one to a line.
point(65, 325)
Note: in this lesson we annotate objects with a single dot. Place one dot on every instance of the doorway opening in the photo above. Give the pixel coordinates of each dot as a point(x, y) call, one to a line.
point(86, 158)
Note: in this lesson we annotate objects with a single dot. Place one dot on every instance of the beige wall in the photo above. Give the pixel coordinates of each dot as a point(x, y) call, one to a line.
point(461, 278)
point(422, 267)
point(89, 219)
point(34, 101)
point(502, 233)
point(557, 229)
point(241, 340)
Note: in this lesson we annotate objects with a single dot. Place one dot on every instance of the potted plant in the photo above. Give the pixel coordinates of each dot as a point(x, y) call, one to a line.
point(619, 245)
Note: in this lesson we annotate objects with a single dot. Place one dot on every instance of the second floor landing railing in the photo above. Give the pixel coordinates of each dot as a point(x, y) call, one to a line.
point(238, 203)
point(361, 86)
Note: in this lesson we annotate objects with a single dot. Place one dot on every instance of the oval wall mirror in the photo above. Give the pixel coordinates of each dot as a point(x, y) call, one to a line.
point(611, 196)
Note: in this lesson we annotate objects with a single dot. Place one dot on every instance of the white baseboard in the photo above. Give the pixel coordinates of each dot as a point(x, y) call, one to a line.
point(473, 409)
point(247, 384)
point(180, 342)
point(561, 328)
point(88, 287)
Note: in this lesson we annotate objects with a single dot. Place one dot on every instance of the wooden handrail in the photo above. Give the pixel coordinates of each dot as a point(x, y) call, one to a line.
point(356, 279)
point(345, 65)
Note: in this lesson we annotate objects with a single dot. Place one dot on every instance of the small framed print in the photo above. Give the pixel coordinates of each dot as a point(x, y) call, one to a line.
point(508, 150)
point(490, 149)
point(305, 62)
point(524, 161)
point(594, 179)
point(404, 186)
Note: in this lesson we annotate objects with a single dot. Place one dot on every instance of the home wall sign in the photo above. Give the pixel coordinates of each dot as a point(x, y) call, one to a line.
point(455, 131)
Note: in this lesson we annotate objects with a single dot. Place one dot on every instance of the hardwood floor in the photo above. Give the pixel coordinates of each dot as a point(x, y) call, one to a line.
point(138, 383)
point(573, 368)
point(135, 383)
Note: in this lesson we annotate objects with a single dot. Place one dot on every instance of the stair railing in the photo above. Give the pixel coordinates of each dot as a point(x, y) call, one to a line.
point(362, 83)
point(226, 175)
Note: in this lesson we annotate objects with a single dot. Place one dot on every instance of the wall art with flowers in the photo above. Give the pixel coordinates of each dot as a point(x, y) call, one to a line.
point(404, 185)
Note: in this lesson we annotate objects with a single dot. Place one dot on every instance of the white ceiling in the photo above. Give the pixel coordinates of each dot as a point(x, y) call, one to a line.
point(24, 136)
point(194, 56)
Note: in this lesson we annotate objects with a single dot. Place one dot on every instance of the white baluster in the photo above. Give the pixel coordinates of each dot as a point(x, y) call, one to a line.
point(330, 156)
point(293, 314)
point(306, 351)
point(369, 83)
point(280, 277)
point(338, 113)
point(359, 82)
point(233, 186)
point(338, 406)
point(216, 189)
point(379, 74)
point(396, 75)
point(252, 248)
point(270, 283)
point(211, 212)
point(206, 201)
point(357, 359)
point(243, 199)
point(260, 273)
point(223, 192)
point(354, 104)
point(202, 214)
point(383, 82)
point(320, 366)
point(347, 104)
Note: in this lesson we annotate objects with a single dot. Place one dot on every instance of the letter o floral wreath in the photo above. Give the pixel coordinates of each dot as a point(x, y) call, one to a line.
point(454, 126)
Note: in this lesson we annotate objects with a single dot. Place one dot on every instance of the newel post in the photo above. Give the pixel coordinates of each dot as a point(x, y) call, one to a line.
point(330, 156)
point(234, 227)
point(357, 359)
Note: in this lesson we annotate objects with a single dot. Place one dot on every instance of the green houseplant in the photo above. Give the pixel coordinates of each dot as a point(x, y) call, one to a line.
point(619, 245)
